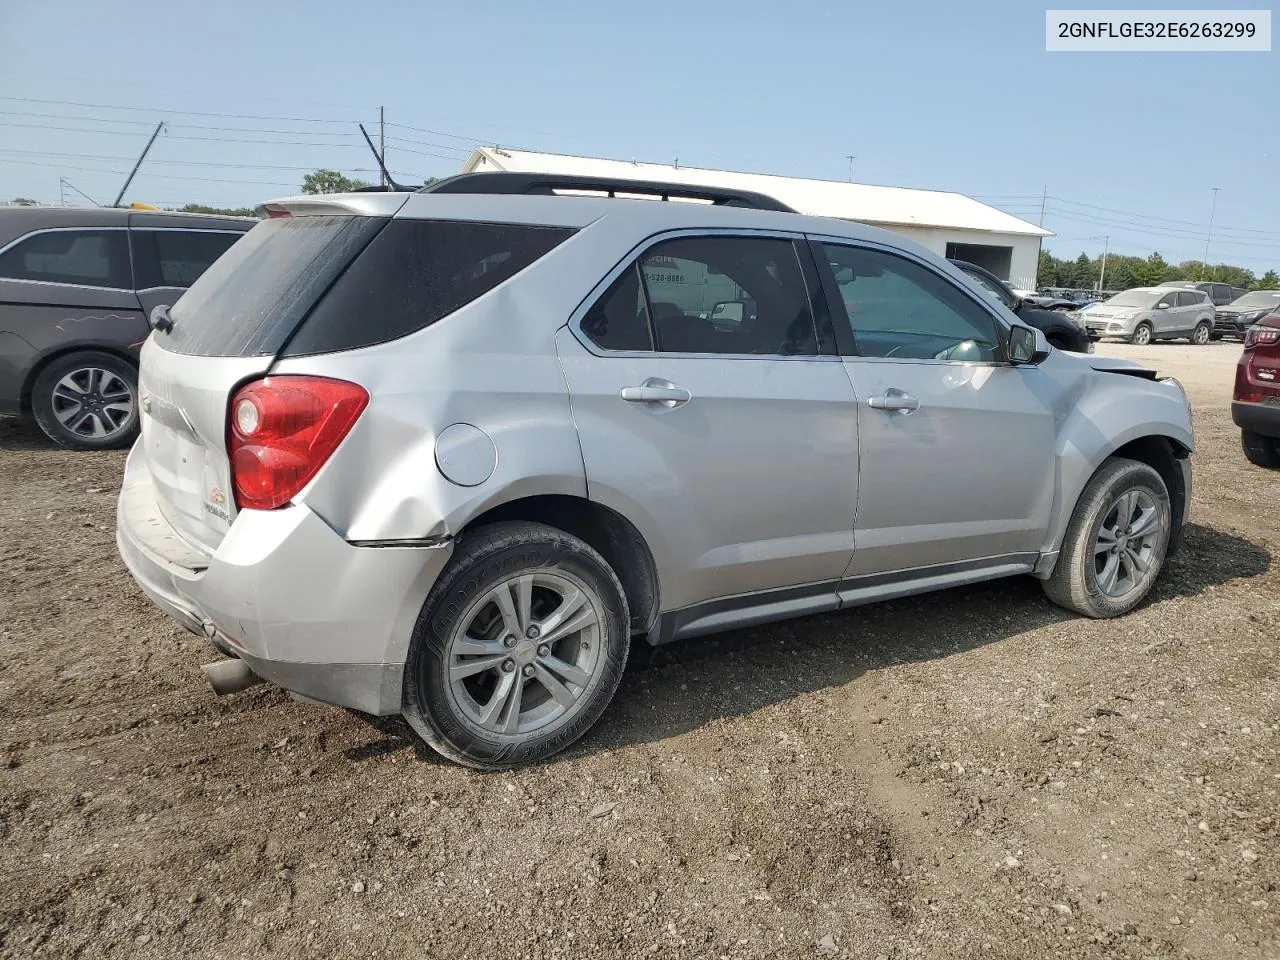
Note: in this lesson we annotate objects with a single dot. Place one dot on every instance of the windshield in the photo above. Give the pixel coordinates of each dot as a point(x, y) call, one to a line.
point(1134, 298)
point(1257, 300)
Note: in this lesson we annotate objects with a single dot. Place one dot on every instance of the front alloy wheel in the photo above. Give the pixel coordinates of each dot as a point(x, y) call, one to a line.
point(1115, 543)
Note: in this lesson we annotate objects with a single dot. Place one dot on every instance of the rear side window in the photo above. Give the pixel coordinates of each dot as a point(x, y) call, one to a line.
point(93, 258)
point(176, 258)
point(416, 272)
point(250, 301)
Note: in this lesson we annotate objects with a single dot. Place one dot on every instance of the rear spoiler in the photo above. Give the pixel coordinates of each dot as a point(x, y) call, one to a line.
point(364, 204)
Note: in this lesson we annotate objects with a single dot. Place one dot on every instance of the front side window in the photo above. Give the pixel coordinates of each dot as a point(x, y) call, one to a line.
point(176, 258)
point(900, 309)
point(94, 258)
point(989, 288)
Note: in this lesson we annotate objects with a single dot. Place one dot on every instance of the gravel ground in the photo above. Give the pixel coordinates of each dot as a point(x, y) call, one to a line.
point(969, 774)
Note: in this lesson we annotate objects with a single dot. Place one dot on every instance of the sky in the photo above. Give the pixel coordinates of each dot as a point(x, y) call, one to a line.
point(938, 95)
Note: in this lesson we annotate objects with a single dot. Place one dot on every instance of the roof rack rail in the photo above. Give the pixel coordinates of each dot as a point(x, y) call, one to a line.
point(547, 184)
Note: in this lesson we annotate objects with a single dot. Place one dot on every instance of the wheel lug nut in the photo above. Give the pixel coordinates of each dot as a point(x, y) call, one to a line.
point(508, 666)
point(532, 633)
point(544, 650)
point(528, 670)
point(508, 641)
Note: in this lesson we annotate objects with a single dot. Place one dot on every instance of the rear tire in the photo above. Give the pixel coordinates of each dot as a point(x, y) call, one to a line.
point(493, 679)
point(1202, 334)
point(1099, 572)
point(1141, 335)
point(1259, 450)
point(87, 401)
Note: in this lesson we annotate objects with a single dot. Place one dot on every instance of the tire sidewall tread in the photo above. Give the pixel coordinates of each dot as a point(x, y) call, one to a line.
point(47, 379)
point(481, 558)
point(1070, 585)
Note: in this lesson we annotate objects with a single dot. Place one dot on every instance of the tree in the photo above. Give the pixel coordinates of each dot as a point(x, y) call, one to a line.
point(1047, 273)
point(1151, 271)
point(1086, 272)
point(330, 181)
point(23, 202)
point(220, 211)
point(1268, 281)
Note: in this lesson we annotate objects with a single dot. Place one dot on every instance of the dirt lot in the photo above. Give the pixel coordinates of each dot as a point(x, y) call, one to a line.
point(970, 774)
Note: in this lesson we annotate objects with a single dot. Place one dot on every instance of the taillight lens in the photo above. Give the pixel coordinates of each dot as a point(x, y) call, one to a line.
point(276, 212)
point(280, 432)
point(1256, 335)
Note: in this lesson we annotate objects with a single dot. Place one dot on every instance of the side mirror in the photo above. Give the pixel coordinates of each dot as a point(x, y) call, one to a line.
point(1162, 305)
point(1027, 345)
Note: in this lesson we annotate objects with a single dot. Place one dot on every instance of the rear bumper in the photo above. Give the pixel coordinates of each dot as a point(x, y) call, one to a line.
point(304, 608)
point(1263, 418)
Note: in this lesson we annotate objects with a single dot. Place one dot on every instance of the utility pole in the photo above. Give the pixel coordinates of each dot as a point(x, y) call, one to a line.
point(1209, 234)
point(1102, 274)
point(1043, 197)
point(145, 150)
point(382, 142)
point(850, 157)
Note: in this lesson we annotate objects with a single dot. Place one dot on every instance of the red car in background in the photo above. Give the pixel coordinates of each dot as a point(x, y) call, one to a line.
point(1255, 403)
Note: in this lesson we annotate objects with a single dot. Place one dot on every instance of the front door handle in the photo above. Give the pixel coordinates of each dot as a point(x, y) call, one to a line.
point(894, 400)
point(658, 391)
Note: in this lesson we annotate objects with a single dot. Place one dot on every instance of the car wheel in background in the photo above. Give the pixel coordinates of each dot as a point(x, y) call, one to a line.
point(1259, 450)
point(1202, 334)
point(87, 401)
point(1142, 335)
point(518, 649)
point(1115, 543)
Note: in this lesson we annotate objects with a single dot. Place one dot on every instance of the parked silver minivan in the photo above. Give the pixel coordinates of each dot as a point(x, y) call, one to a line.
point(448, 454)
point(1144, 314)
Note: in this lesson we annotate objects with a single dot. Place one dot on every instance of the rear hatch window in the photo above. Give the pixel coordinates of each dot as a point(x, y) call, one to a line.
point(254, 296)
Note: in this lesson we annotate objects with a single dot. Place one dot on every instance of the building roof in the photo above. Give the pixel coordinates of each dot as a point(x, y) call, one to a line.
point(897, 206)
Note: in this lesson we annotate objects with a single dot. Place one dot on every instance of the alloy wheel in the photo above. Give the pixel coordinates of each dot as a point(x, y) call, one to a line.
point(523, 656)
point(94, 403)
point(1126, 543)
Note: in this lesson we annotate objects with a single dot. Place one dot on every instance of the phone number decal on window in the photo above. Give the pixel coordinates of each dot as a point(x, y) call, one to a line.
point(1158, 30)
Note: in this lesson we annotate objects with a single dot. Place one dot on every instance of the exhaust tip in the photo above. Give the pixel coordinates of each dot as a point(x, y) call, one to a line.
point(229, 676)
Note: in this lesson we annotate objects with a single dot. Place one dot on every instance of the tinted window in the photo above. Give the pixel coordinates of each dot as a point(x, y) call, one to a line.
point(176, 258)
point(1184, 298)
point(414, 273)
point(989, 288)
point(252, 299)
point(900, 309)
point(97, 258)
point(728, 295)
point(618, 320)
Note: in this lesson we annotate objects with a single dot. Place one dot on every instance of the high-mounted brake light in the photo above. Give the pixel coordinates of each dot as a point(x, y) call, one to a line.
point(280, 432)
point(276, 212)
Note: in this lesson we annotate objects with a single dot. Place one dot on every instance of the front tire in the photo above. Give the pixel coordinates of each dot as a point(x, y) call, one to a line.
point(1259, 450)
point(1202, 334)
point(1142, 335)
point(518, 649)
point(87, 401)
point(1115, 544)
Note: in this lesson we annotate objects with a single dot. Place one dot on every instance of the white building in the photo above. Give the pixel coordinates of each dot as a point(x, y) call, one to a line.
point(949, 224)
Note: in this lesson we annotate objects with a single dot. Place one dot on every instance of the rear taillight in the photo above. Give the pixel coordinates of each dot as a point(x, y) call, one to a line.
point(280, 432)
point(1256, 335)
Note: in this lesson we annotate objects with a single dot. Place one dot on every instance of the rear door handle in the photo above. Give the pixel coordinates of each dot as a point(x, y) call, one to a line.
point(658, 391)
point(894, 400)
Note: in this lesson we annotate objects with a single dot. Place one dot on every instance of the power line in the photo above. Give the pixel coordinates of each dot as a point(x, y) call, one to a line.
point(169, 110)
point(176, 136)
point(180, 163)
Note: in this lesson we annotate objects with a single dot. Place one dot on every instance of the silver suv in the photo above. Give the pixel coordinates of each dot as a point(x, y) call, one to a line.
point(446, 454)
point(1143, 314)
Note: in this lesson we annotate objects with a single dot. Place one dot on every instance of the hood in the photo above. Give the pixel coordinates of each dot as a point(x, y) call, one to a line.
point(1117, 365)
